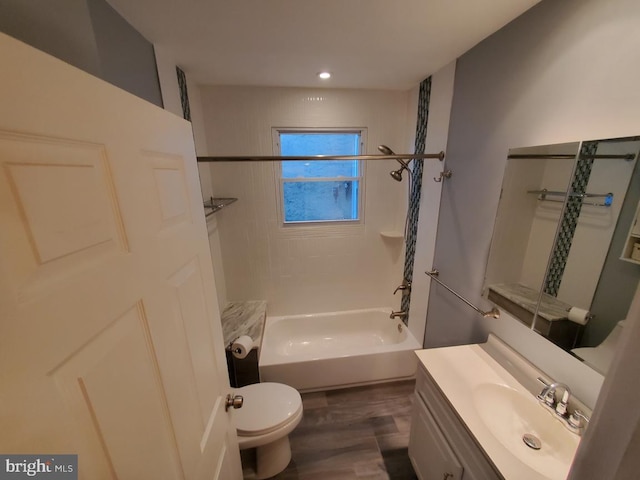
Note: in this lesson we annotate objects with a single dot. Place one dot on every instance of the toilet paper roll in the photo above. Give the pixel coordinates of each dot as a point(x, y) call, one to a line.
point(579, 315)
point(241, 346)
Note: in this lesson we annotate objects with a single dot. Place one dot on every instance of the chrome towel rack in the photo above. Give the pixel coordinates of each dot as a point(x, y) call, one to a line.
point(544, 193)
point(493, 313)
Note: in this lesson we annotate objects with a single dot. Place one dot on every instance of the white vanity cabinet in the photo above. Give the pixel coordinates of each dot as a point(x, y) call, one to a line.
point(440, 447)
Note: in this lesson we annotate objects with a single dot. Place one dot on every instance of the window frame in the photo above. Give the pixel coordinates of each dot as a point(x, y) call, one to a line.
point(338, 226)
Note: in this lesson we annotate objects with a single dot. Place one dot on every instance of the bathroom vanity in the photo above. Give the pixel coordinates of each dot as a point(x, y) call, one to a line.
point(471, 413)
point(434, 454)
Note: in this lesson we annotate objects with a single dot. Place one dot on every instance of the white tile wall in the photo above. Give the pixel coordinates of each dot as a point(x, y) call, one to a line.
point(544, 222)
point(305, 272)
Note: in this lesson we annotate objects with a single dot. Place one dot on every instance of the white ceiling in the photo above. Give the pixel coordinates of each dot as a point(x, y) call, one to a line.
point(388, 44)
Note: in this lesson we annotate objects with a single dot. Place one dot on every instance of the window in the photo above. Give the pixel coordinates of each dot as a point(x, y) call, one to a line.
point(320, 190)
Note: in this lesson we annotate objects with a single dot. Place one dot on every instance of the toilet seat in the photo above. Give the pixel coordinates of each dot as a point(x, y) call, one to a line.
point(266, 408)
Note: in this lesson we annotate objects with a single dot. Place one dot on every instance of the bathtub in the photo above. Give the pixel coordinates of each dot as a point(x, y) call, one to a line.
point(338, 349)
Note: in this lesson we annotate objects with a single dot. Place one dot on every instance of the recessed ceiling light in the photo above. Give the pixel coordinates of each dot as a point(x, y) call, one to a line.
point(324, 75)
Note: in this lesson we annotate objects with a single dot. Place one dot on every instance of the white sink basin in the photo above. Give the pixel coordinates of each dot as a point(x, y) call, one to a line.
point(509, 414)
point(498, 410)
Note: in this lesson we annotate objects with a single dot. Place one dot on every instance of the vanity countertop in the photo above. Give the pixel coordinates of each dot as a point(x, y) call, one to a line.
point(244, 318)
point(460, 373)
point(551, 308)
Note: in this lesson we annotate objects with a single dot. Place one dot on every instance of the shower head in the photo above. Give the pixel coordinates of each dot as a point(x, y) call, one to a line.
point(385, 150)
point(397, 174)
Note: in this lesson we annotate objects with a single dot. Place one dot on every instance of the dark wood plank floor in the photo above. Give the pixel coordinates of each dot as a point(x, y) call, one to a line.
point(355, 433)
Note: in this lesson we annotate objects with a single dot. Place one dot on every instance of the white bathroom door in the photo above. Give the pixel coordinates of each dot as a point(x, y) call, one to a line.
point(110, 341)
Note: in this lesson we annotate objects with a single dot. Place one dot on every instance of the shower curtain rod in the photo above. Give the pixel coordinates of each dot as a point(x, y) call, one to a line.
point(560, 156)
point(410, 156)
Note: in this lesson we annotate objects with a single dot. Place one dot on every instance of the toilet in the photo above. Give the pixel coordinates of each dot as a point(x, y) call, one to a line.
point(269, 413)
point(600, 356)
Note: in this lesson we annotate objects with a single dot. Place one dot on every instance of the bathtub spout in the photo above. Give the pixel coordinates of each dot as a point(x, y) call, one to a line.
point(401, 314)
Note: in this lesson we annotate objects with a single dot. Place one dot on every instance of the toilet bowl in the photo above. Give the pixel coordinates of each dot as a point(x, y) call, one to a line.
point(599, 357)
point(269, 413)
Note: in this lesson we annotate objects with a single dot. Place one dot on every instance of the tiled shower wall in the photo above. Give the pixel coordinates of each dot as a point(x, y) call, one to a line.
point(297, 270)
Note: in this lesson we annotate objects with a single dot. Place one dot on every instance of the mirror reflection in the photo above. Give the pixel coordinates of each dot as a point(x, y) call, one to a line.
point(561, 257)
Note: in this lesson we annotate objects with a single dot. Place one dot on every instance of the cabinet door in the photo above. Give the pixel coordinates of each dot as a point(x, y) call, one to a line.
point(429, 451)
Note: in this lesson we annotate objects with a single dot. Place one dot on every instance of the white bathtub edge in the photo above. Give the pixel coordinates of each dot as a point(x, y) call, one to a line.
point(332, 373)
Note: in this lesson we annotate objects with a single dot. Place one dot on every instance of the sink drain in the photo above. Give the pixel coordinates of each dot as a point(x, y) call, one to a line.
point(531, 441)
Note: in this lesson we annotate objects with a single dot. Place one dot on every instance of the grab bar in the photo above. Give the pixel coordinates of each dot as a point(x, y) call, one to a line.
point(493, 313)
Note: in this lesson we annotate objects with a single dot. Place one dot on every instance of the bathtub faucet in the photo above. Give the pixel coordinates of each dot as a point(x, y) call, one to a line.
point(401, 314)
point(405, 286)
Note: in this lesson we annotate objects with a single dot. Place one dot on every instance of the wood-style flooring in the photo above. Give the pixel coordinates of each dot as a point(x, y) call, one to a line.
point(354, 433)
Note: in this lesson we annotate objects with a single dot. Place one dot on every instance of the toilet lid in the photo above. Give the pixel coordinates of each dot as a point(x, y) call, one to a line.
point(266, 407)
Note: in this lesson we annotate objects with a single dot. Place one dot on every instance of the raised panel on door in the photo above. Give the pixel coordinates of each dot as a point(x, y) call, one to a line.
point(64, 216)
point(171, 187)
point(190, 310)
point(110, 342)
point(111, 380)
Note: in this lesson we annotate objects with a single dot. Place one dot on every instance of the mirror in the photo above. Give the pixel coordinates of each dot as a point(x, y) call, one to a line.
point(561, 258)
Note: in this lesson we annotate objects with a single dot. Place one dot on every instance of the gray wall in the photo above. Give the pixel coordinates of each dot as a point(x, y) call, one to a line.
point(563, 71)
point(126, 57)
point(566, 70)
point(619, 279)
point(90, 35)
point(61, 28)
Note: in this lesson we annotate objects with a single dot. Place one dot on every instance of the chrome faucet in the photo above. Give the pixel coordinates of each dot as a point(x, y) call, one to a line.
point(575, 421)
point(401, 314)
point(405, 287)
point(548, 396)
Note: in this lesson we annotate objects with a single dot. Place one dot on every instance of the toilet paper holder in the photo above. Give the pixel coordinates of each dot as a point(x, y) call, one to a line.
point(240, 346)
point(230, 348)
